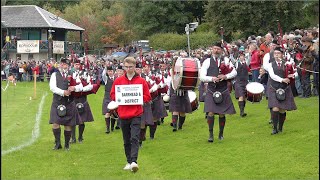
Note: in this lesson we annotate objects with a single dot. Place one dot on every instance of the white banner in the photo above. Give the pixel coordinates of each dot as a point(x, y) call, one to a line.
point(129, 94)
point(27, 46)
point(58, 47)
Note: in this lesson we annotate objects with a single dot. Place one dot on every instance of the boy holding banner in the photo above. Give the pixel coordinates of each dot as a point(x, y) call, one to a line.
point(130, 91)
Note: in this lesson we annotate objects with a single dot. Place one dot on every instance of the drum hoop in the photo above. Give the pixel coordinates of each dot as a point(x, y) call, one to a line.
point(182, 74)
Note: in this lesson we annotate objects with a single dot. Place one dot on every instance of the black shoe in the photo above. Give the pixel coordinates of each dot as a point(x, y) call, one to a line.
point(243, 114)
point(270, 122)
point(274, 132)
point(80, 140)
point(67, 148)
point(210, 140)
point(159, 123)
point(140, 144)
point(112, 129)
point(162, 121)
point(117, 127)
point(57, 146)
point(73, 141)
point(171, 124)
point(107, 130)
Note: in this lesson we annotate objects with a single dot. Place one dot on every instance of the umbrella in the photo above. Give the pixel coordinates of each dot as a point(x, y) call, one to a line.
point(119, 55)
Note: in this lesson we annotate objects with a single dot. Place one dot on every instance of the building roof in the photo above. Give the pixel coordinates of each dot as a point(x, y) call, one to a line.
point(31, 16)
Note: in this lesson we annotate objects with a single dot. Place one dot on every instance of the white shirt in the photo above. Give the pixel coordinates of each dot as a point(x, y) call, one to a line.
point(56, 90)
point(274, 76)
point(205, 66)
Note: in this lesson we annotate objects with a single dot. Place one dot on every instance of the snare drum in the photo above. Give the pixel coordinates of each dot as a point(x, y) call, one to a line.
point(113, 107)
point(193, 100)
point(185, 74)
point(254, 91)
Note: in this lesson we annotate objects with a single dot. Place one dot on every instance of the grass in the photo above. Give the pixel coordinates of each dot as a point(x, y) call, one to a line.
point(247, 152)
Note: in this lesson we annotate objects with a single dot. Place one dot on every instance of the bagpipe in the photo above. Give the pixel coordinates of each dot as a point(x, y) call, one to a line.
point(153, 82)
point(85, 80)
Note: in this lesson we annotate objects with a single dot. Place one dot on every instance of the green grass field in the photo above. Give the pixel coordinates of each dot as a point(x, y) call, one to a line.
point(247, 152)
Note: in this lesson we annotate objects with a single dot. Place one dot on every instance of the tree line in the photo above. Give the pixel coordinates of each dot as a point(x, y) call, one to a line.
point(121, 22)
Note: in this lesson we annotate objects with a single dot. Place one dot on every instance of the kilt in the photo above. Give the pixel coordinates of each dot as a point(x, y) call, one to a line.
point(180, 103)
point(158, 108)
point(69, 119)
point(105, 103)
point(86, 115)
point(201, 91)
point(225, 107)
point(288, 104)
point(146, 117)
point(240, 88)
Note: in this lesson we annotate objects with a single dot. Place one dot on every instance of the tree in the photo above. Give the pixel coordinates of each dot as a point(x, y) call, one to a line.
point(149, 17)
point(253, 17)
point(116, 32)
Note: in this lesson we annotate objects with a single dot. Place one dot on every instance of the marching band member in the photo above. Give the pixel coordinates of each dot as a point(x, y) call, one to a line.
point(63, 109)
point(164, 82)
point(179, 105)
point(146, 118)
point(81, 78)
point(280, 95)
point(241, 82)
point(108, 78)
point(215, 72)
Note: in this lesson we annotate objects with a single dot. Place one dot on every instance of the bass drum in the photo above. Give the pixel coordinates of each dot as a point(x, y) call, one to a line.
point(185, 74)
point(254, 91)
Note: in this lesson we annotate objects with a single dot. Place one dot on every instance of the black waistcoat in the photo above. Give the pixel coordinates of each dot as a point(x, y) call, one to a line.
point(63, 84)
point(213, 70)
point(242, 72)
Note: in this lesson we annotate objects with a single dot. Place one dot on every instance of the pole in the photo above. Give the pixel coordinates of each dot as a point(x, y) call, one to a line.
point(34, 85)
point(188, 32)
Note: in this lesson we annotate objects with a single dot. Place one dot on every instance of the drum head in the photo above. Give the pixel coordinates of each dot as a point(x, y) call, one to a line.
point(112, 105)
point(192, 96)
point(177, 74)
point(255, 88)
point(166, 98)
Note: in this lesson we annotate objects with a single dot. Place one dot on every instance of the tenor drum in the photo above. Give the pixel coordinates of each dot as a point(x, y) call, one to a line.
point(113, 107)
point(193, 100)
point(166, 100)
point(185, 73)
point(254, 91)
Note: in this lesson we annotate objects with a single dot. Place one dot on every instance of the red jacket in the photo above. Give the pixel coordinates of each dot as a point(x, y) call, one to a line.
point(255, 62)
point(130, 111)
